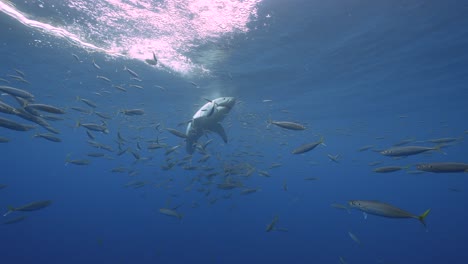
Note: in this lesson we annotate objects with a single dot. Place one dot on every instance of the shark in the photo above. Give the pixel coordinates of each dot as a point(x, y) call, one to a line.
point(207, 119)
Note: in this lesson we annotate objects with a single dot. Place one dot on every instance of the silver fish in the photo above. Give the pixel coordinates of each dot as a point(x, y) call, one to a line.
point(407, 151)
point(385, 210)
point(288, 125)
point(7, 123)
point(29, 207)
point(16, 92)
point(307, 147)
point(171, 212)
point(443, 167)
point(48, 136)
point(388, 169)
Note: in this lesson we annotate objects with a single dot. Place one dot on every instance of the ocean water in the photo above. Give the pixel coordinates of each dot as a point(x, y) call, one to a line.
point(356, 73)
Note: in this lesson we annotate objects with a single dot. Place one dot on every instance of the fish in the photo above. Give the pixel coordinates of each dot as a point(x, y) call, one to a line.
point(354, 238)
point(93, 127)
point(287, 125)
point(386, 210)
point(29, 207)
point(119, 88)
point(90, 135)
point(87, 101)
point(403, 142)
point(444, 140)
point(443, 167)
point(388, 169)
point(19, 78)
point(103, 78)
point(81, 110)
point(3, 186)
point(171, 212)
point(16, 92)
point(136, 86)
point(95, 154)
point(308, 147)
point(8, 109)
point(249, 191)
point(48, 136)
point(20, 73)
point(96, 66)
point(176, 133)
point(364, 148)
point(78, 162)
point(103, 115)
point(4, 140)
point(333, 158)
point(132, 112)
point(134, 74)
point(204, 121)
point(10, 124)
point(170, 150)
point(45, 108)
point(407, 151)
point(14, 220)
point(76, 57)
point(272, 224)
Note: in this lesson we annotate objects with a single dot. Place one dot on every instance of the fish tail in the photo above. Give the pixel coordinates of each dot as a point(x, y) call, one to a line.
point(439, 149)
point(180, 216)
point(67, 159)
point(423, 216)
point(269, 122)
point(78, 124)
point(77, 98)
point(10, 210)
point(322, 141)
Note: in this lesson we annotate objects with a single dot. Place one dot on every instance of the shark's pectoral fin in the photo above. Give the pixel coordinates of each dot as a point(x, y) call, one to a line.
point(217, 128)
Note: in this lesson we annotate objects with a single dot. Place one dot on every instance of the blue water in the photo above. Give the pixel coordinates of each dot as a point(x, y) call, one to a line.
point(355, 72)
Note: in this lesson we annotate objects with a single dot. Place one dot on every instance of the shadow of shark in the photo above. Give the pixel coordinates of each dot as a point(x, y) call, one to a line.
point(207, 119)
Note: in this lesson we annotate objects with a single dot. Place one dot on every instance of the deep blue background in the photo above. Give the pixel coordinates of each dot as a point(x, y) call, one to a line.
point(347, 69)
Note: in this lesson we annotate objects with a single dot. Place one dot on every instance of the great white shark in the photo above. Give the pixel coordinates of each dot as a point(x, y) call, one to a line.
point(207, 119)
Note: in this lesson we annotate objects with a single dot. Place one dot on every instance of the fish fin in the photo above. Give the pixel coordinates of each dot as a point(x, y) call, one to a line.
point(365, 215)
point(10, 210)
point(407, 167)
point(322, 141)
point(423, 216)
point(439, 149)
point(208, 99)
point(269, 122)
point(217, 128)
point(180, 216)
